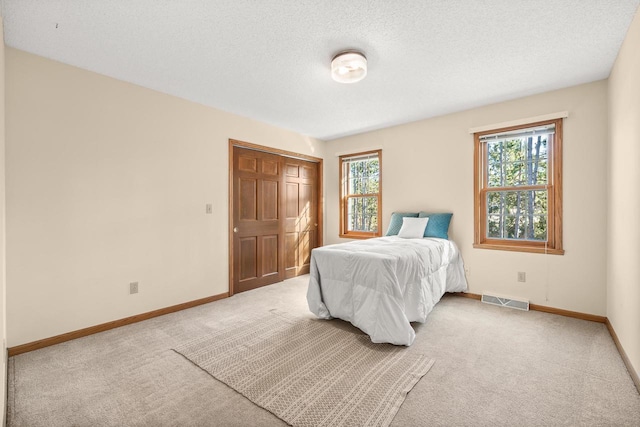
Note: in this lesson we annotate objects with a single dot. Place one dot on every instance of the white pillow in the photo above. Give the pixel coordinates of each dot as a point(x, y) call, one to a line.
point(413, 228)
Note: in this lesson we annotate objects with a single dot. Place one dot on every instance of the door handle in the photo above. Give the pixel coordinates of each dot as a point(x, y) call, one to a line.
point(235, 229)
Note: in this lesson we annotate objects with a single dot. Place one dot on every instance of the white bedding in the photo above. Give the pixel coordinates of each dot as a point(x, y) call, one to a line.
point(380, 285)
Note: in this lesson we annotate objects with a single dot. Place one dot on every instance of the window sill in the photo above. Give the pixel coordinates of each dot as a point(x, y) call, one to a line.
point(517, 248)
point(358, 236)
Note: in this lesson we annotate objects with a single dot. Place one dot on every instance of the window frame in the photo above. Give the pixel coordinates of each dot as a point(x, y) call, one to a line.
point(553, 244)
point(344, 198)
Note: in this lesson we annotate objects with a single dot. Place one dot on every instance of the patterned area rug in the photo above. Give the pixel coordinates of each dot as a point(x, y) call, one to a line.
point(310, 372)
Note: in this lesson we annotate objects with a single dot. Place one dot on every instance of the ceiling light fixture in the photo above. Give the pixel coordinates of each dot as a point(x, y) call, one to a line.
point(349, 67)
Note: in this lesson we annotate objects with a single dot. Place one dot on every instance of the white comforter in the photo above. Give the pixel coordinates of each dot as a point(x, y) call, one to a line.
point(380, 285)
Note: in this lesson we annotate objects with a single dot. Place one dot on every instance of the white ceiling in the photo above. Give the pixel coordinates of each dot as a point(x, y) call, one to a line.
point(269, 59)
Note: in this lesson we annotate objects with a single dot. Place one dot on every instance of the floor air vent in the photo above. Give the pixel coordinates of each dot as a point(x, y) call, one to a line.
point(505, 302)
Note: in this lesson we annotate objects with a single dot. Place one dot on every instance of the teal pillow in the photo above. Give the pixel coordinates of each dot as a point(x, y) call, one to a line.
point(438, 225)
point(396, 222)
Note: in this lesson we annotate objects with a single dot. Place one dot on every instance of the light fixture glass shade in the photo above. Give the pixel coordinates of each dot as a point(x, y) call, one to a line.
point(349, 67)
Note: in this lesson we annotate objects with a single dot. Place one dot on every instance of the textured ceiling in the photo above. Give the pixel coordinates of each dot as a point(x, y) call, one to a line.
point(270, 59)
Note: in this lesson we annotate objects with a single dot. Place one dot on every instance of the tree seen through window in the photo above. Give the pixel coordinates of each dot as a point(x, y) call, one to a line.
point(360, 194)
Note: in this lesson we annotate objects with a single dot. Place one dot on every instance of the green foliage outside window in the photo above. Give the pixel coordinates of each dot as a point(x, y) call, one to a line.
point(513, 163)
point(363, 185)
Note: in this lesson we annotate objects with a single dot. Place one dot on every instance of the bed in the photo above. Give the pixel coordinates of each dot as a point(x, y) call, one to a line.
point(381, 285)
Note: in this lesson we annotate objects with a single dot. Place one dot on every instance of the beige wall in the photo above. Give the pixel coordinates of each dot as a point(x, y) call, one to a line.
point(623, 231)
point(428, 165)
point(107, 184)
point(3, 305)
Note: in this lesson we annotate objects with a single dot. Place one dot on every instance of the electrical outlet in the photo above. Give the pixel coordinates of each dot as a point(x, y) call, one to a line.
point(522, 276)
point(467, 272)
point(133, 287)
point(209, 208)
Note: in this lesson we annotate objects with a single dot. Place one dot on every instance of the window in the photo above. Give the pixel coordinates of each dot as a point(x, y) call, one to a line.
point(518, 188)
point(360, 194)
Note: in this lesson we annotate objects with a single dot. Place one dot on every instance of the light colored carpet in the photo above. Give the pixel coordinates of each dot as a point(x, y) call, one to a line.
point(495, 367)
point(308, 372)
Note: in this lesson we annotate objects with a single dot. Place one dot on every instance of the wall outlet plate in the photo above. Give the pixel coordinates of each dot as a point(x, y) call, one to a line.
point(522, 276)
point(133, 288)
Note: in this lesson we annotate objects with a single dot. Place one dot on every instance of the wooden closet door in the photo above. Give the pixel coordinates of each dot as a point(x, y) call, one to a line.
point(257, 223)
point(301, 215)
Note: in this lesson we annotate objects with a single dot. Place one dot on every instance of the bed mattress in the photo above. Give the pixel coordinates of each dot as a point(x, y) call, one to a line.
point(381, 285)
